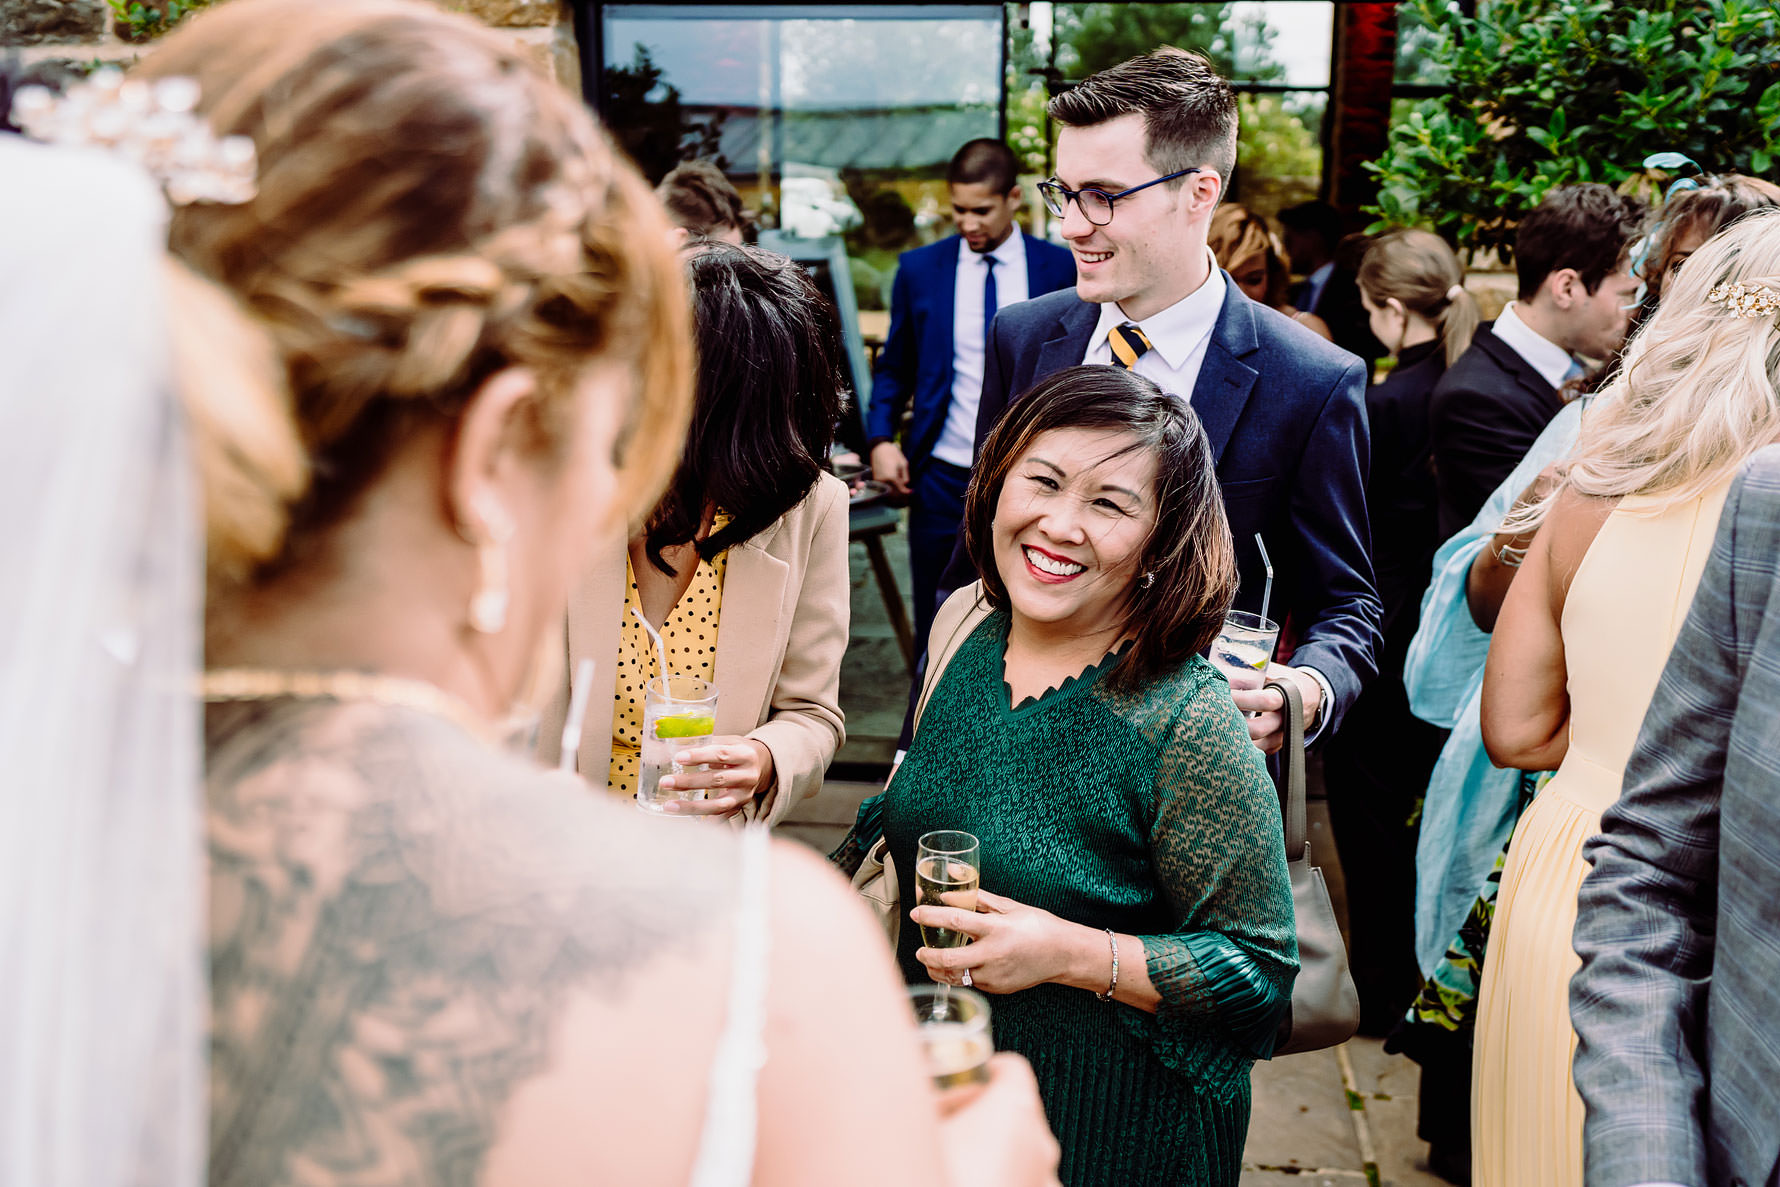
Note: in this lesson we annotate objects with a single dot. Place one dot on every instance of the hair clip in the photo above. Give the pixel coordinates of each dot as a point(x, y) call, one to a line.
point(1746, 300)
point(155, 125)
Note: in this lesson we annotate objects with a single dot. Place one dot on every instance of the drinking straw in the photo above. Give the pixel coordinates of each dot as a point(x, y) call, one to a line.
point(661, 651)
point(1267, 589)
point(580, 689)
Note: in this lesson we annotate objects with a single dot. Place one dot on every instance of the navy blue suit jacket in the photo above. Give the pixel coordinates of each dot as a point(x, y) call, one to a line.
point(916, 362)
point(1285, 412)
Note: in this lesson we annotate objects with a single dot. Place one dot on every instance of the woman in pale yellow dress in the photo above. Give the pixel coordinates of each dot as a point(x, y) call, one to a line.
point(1582, 639)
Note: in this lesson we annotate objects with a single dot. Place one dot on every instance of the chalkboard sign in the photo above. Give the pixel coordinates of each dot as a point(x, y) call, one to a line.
point(825, 260)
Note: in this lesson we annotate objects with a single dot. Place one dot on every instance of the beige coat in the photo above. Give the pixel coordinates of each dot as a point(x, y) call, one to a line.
point(780, 638)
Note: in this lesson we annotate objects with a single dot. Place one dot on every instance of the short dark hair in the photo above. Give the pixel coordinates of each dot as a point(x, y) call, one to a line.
point(984, 162)
point(769, 391)
point(1188, 109)
point(1189, 550)
point(1589, 228)
point(701, 199)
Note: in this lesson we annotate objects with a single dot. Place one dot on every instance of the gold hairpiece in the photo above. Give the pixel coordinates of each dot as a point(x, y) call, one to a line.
point(1746, 300)
point(155, 125)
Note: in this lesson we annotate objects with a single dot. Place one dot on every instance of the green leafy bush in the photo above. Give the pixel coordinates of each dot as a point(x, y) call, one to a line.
point(1548, 93)
point(137, 22)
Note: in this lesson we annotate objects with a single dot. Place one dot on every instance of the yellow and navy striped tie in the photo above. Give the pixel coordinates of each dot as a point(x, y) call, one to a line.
point(1128, 345)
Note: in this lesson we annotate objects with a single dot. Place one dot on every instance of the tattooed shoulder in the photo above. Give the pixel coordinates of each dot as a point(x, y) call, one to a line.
point(397, 917)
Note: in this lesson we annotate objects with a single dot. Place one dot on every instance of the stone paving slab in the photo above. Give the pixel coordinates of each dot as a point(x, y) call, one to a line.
point(1300, 1120)
point(1389, 1086)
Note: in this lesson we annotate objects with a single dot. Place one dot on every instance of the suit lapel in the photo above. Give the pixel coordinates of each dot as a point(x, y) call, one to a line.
point(1522, 372)
point(1068, 341)
point(1037, 281)
point(751, 632)
point(945, 301)
point(1225, 382)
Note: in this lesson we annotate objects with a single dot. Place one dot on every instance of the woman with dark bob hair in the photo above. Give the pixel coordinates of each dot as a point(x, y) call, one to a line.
point(741, 567)
point(1135, 916)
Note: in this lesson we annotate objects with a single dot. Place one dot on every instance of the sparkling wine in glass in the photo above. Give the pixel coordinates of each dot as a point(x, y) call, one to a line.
point(955, 1035)
point(946, 875)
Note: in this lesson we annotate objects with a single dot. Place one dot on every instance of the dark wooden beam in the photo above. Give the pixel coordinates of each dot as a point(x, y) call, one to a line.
point(1360, 102)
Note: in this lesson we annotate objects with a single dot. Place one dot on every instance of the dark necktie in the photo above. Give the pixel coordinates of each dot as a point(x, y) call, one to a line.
point(988, 296)
point(1128, 345)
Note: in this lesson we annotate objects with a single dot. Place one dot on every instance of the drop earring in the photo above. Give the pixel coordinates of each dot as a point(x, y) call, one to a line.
point(488, 605)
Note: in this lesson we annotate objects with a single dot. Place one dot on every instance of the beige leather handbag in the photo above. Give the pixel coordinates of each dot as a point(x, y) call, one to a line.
point(1325, 1005)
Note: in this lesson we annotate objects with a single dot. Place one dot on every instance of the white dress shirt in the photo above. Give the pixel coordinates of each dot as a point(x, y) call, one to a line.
point(1178, 338)
point(1552, 361)
point(957, 440)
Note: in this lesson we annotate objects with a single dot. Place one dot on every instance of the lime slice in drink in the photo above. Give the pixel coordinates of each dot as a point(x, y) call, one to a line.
point(685, 725)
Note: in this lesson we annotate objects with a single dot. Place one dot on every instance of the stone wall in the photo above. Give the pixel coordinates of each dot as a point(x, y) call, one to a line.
point(54, 38)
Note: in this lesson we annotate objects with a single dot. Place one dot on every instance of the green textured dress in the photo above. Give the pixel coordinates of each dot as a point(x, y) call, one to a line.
point(1151, 814)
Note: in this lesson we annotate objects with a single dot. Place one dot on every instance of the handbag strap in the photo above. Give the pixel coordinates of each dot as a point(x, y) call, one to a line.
point(1291, 770)
point(937, 660)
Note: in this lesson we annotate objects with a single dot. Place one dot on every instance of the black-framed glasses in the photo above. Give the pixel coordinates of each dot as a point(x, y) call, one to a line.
point(1096, 204)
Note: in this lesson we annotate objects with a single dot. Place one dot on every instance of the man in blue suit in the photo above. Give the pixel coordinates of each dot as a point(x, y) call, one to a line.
point(1142, 159)
point(943, 299)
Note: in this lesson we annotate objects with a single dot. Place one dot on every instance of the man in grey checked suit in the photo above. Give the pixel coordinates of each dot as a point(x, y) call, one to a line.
point(1677, 1005)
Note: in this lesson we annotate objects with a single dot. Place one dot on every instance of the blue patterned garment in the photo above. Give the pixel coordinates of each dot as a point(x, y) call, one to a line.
point(1471, 806)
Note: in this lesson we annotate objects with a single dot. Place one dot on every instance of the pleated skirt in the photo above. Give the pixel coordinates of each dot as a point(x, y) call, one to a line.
point(1526, 1116)
point(1121, 1117)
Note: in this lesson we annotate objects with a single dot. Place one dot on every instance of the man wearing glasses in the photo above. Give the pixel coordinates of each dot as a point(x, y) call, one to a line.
point(1144, 154)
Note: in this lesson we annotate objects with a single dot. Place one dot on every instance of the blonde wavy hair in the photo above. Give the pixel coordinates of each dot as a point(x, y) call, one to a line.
point(1698, 391)
point(1237, 235)
point(431, 209)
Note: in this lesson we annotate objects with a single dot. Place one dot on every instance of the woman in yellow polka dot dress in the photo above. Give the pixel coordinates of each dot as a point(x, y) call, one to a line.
point(742, 565)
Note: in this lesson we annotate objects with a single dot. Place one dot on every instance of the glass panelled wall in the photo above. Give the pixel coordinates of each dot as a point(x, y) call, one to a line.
point(832, 120)
point(836, 122)
point(1276, 52)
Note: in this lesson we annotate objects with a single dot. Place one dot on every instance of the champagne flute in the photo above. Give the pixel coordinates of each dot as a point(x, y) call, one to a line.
point(947, 871)
point(955, 1036)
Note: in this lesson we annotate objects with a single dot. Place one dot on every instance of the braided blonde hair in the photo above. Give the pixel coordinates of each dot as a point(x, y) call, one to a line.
point(431, 209)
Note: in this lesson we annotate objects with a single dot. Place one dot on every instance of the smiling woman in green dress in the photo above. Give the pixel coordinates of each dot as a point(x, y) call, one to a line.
point(1135, 920)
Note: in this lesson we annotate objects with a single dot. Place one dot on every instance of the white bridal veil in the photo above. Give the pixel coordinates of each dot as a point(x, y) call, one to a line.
point(102, 980)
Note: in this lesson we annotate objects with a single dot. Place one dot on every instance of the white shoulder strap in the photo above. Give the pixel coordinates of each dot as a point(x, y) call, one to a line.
point(726, 1146)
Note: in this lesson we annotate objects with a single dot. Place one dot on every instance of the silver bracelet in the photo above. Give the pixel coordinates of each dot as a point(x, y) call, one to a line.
point(1114, 941)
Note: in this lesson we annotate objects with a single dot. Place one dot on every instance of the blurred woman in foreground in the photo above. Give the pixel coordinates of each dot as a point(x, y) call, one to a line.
point(430, 962)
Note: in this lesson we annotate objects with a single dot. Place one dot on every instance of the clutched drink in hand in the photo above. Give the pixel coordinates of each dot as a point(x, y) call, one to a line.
point(1244, 648)
point(679, 713)
point(955, 1034)
point(946, 875)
